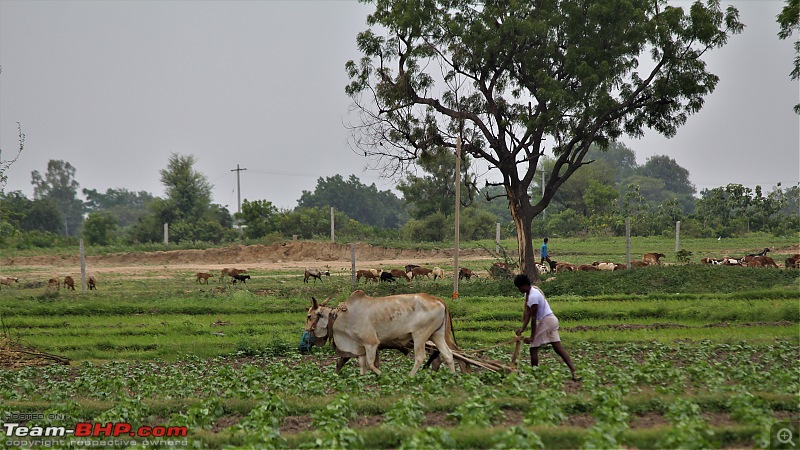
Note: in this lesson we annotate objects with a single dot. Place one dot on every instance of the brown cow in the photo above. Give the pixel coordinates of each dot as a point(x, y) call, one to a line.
point(367, 275)
point(466, 273)
point(8, 280)
point(230, 272)
point(565, 267)
point(92, 282)
point(652, 259)
point(54, 282)
point(202, 276)
point(69, 283)
point(398, 273)
point(421, 271)
point(588, 268)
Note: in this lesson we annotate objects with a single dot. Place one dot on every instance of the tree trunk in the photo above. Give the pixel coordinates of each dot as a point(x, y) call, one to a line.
point(523, 214)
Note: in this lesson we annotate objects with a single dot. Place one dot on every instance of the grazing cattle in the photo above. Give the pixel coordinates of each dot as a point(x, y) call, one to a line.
point(238, 277)
point(362, 324)
point(69, 283)
point(8, 280)
point(762, 261)
point(565, 267)
point(652, 259)
point(92, 282)
point(466, 273)
point(387, 277)
point(229, 272)
point(437, 273)
point(543, 268)
point(410, 267)
point(397, 273)
point(367, 275)
point(792, 262)
point(316, 274)
point(54, 282)
point(420, 272)
point(587, 268)
point(202, 276)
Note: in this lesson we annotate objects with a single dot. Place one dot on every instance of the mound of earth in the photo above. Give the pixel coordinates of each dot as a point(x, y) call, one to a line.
point(280, 253)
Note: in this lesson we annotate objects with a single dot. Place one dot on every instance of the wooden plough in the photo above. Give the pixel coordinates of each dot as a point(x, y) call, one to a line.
point(465, 360)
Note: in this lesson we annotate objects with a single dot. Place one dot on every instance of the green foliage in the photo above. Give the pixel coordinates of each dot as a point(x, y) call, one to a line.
point(689, 429)
point(258, 218)
point(517, 437)
point(335, 415)
point(364, 204)
point(406, 412)
point(476, 411)
point(59, 186)
point(99, 228)
point(683, 256)
point(430, 437)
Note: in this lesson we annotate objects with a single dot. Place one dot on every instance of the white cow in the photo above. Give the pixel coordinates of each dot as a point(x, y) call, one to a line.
point(358, 327)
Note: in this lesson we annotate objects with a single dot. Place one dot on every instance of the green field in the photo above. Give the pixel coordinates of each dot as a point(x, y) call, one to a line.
point(684, 356)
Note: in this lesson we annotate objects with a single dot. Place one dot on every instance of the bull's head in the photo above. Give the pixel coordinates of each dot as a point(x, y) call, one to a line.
point(317, 321)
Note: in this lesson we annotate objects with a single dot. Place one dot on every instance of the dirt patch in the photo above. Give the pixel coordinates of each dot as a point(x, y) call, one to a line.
point(285, 255)
point(14, 355)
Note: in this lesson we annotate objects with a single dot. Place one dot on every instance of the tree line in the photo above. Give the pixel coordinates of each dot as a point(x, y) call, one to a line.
point(594, 201)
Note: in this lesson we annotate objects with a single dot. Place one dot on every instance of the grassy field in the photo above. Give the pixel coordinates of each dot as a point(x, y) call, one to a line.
point(683, 356)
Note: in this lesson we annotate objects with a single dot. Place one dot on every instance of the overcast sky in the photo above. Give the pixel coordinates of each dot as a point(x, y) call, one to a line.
point(115, 87)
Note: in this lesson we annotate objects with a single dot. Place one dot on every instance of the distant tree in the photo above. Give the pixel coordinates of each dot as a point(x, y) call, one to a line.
point(43, 216)
point(127, 206)
point(789, 22)
point(14, 206)
point(476, 224)
point(258, 218)
point(433, 228)
point(59, 185)
point(311, 222)
point(365, 204)
point(187, 208)
point(666, 169)
point(99, 228)
point(519, 74)
point(434, 191)
point(618, 157)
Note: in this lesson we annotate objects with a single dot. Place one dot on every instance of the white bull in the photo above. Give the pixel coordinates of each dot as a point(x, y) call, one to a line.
point(362, 324)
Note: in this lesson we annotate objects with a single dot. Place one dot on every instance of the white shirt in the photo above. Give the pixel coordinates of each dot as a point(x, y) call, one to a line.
point(536, 297)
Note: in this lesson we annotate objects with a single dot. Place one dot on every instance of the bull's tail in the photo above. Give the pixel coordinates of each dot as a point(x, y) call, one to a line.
point(450, 331)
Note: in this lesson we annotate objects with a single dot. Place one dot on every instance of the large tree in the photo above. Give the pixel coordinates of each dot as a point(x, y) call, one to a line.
point(517, 78)
point(366, 204)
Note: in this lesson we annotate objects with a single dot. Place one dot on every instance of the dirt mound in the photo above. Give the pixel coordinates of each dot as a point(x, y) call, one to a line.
point(295, 251)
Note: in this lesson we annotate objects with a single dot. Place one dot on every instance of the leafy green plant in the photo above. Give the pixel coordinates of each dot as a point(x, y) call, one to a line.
point(406, 412)
point(476, 411)
point(335, 415)
point(430, 437)
point(517, 437)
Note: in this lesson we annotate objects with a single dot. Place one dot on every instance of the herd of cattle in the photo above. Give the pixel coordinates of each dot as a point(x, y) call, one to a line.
point(412, 271)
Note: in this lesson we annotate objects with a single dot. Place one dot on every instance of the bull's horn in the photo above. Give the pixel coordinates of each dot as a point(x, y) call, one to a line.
point(325, 303)
point(314, 304)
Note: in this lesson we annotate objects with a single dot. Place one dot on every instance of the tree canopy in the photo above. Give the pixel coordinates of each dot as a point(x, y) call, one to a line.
point(514, 79)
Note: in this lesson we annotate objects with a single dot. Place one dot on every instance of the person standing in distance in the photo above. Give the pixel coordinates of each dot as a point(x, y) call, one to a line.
point(544, 324)
point(545, 255)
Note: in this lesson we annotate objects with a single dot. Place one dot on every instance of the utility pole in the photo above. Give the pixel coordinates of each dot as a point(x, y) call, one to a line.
point(238, 187)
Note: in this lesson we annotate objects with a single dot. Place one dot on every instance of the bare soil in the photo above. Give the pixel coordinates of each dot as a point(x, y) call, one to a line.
point(286, 255)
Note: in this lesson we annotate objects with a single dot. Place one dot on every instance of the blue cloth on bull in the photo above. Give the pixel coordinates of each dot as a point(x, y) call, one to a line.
point(305, 342)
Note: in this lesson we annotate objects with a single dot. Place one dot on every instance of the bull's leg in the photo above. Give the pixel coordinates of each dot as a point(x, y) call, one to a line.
point(441, 343)
point(339, 364)
point(371, 354)
point(419, 354)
